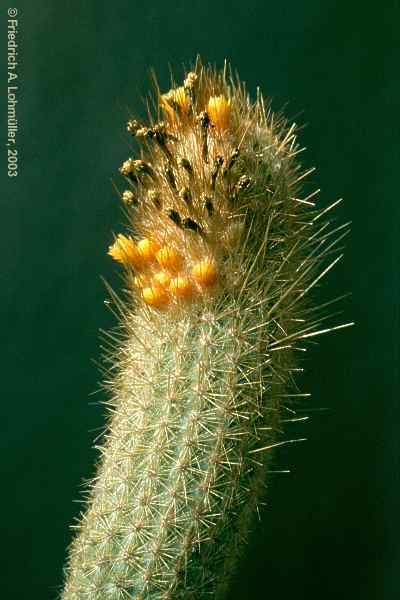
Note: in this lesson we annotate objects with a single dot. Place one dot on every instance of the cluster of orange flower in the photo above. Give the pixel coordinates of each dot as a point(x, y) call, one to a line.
point(176, 105)
point(161, 277)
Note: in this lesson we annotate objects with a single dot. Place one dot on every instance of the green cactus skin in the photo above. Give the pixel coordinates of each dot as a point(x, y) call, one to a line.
point(201, 380)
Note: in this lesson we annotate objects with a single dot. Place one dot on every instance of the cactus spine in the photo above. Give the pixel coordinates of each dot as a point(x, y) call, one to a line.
point(220, 257)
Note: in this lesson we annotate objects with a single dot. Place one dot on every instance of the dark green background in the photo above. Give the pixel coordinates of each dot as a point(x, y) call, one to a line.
point(330, 528)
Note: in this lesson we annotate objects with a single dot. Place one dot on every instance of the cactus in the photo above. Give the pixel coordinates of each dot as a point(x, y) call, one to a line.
point(221, 254)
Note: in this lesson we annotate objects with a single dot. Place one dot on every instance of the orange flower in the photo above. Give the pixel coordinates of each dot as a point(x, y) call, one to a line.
point(204, 273)
point(219, 110)
point(175, 103)
point(155, 297)
point(141, 281)
point(125, 251)
point(169, 258)
point(148, 249)
point(181, 287)
point(161, 279)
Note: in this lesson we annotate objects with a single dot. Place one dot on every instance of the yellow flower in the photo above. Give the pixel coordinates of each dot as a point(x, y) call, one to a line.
point(141, 281)
point(219, 110)
point(175, 103)
point(181, 287)
point(155, 297)
point(161, 279)
point(148, 249)
point(124, 250)
point(204, 273)
point(168, 258)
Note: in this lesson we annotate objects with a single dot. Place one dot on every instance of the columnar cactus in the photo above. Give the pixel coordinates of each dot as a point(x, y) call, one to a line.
point(221, 253)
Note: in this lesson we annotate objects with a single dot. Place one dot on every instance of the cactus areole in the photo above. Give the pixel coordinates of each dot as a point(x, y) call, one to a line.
point(221, 251)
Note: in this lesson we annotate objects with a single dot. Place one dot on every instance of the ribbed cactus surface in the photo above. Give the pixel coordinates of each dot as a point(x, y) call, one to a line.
point(219, 259)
